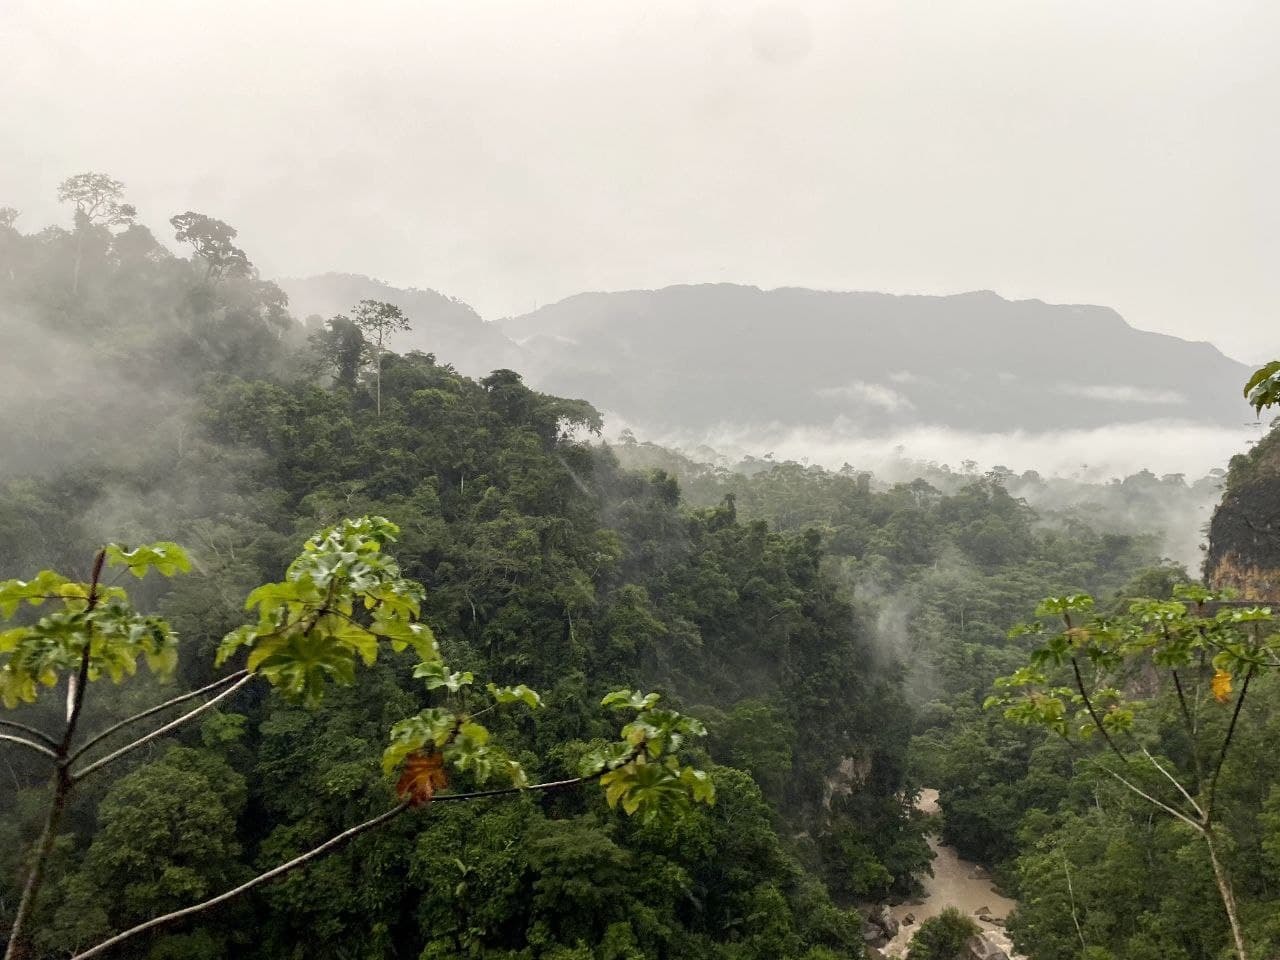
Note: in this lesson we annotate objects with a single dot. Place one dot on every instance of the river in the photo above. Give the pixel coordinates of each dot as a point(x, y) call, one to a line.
point(955, 883)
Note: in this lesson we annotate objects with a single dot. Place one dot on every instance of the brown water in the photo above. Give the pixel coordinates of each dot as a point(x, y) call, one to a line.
point(955, 883)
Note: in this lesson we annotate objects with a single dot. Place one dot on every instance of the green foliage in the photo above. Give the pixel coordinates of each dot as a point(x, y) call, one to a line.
point(943, 937)
point(1164, 635)
point(1262, 389)
point(642, 773)
point(94, 625)
point(340, 598)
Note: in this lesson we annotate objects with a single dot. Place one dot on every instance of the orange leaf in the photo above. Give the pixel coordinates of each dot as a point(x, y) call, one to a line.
point(1222, 686)
point(423, 775)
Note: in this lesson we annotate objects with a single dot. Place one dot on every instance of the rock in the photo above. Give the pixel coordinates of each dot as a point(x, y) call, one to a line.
point(980, 948)
point(982, 910)
point(872, 935)
point(909, 919)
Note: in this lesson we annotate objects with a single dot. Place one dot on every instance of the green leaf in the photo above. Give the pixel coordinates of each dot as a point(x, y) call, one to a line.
point(164, 557)
point(516, 694)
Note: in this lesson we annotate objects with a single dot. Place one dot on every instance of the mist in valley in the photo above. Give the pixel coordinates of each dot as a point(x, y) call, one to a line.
point(562, 482)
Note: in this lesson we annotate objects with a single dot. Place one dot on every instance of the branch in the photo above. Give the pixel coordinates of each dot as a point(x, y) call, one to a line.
point(1190, 724)
point(1159, 803)
point(1226, 742)
point(78, 775)
point(298, 861)
point(39, 735)
point(1075, 665)
point(1156, 763)
point(313, 854)
point(156, 709)
point(79, 682)
point(31, 744)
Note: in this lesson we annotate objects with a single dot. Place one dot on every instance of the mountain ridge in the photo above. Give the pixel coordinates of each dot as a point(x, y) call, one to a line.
point(699, 356)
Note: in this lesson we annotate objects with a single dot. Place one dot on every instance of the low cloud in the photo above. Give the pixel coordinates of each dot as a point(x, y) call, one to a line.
point(1122, 393)
point(871, 394)
point(1098, 454)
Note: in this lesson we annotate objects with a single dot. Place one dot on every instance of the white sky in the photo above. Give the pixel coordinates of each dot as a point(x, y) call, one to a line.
point(1122, 152)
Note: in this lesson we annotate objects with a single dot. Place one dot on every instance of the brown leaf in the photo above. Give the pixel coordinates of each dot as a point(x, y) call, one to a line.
point(1222, 686)
point(423, 775)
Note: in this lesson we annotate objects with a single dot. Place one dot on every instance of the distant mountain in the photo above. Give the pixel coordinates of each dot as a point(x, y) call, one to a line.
point(442, 325)
point(697, 358)
point(693, 357)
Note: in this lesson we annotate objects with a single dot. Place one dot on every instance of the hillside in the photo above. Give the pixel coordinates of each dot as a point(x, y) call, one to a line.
point(699, 356)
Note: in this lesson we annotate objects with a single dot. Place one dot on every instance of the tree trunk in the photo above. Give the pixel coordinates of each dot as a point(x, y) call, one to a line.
point(62, 786)
point(63, 782)
point(1228, 896)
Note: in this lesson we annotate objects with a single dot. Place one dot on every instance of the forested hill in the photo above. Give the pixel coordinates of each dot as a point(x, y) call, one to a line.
point(442, 325)
point(700, 356)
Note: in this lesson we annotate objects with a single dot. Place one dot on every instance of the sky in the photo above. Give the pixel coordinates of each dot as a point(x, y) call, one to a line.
point(1119, 152)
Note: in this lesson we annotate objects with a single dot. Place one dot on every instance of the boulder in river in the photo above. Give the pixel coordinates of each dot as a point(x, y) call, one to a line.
point(980, 948)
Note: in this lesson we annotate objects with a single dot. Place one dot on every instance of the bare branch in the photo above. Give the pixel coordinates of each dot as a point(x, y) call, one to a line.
point(1189, 722)
point(316, 852)
point(32, 731)
point(313, 854)
point(1159, 803)
point(1172, 779)
point(1226, 741)
point(30, 744)
point(156, 709)
point(1097, 722)
point(78, 775)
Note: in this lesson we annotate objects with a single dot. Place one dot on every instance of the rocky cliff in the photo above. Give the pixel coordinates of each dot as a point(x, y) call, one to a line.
point(1244, 534)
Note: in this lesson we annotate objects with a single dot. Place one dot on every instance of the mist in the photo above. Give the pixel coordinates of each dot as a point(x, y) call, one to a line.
point(1089, 455)
point(512, 154)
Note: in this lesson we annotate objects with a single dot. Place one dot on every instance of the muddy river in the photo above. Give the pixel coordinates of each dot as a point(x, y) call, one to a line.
point(955, 883)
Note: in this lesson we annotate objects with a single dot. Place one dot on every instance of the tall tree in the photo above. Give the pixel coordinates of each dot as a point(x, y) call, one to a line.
point(99, 201)
point(379, 319)
point(340, 349)
point(212, 241)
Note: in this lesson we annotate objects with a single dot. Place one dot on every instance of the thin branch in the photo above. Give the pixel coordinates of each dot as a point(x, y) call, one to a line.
point(1226, 741)
point(313, 854)
point(1066, 868)
point(1075, 665)
point(1172, 779)
point(31, 731)
point(78, 775)
point(156, 709)
point(298, 861)
point(30, 744)
point(1190, 723)
point(1159, 803)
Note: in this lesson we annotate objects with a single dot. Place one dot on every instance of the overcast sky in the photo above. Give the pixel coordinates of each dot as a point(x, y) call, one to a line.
point(1122, 152)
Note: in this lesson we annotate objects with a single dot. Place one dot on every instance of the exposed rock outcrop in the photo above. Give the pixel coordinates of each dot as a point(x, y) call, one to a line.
point(1244, 534)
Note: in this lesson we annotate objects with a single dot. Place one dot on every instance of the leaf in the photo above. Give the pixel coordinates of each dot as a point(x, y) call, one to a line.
point(1222, 686)
point(165, 557)
point(519, 693)
point(423, 775)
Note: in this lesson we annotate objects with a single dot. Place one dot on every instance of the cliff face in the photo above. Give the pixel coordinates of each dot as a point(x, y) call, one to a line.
point(1244, 534)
